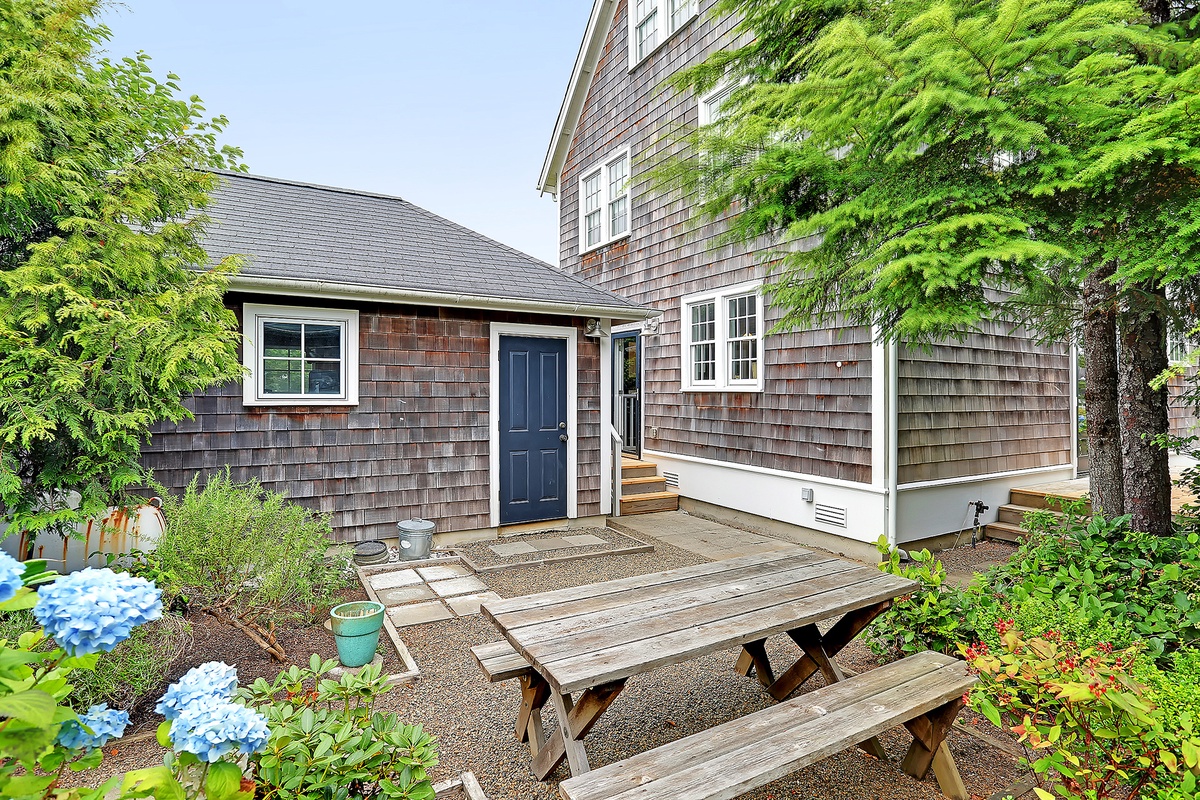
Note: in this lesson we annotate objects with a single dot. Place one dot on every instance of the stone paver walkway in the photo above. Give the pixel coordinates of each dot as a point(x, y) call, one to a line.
point(526, 546)
point(414, 596)
point(703, 537)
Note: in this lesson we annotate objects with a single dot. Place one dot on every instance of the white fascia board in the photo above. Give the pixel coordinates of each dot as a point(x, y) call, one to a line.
point(599, 24)
point(328, 290)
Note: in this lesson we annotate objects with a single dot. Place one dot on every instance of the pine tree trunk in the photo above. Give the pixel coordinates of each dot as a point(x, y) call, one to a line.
point(1105, 473)
point(1142, 343)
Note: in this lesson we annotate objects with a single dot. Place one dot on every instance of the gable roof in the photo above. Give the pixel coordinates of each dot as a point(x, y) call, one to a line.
point(319, 241)
point(577, 89)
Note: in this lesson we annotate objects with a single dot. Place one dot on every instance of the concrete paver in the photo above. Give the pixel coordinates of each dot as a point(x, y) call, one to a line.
point(469, 603)
point(703, 537)
point(418, 613)
point(555, 543)
point(405, 594)
point(458, 586)
point(443, 572)
point(512, 548)
point(584, 540)
point(393, 580)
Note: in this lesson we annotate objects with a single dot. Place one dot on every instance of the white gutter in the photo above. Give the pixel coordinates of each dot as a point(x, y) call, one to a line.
point(329, 290)
point(599, 24)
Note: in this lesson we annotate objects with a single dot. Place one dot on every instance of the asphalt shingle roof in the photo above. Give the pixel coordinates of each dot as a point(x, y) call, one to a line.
point(298, 231)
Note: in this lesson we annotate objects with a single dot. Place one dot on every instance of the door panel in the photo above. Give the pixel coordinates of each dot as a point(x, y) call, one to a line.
point(627, 404)
point(533, 429)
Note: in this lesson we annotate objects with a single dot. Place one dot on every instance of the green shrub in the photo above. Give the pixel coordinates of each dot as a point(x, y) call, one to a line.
point(241, 548)
point(927, 619)
point(328, 741)
point(1037, 616)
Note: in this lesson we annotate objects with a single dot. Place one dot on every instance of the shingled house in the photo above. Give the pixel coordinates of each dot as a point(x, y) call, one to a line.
point(825, 432)
point(399, 365)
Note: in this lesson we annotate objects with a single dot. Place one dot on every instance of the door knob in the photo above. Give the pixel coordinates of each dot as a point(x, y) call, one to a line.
point(562, 437)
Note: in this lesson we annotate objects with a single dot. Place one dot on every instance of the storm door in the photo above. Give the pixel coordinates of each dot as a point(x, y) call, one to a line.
point(533, 429)
point(627, 402)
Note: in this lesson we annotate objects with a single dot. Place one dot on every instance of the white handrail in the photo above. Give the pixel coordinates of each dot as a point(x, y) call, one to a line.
point(616, 444)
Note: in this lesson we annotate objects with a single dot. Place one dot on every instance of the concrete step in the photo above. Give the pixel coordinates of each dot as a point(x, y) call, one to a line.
point(1004, 531)
point(644, 485)
point(632, 468)
point(1015, 514)
point(649, 503)
point(1035, 499)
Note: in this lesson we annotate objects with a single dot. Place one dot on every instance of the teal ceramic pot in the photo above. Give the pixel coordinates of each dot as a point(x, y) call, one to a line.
point(356, 631)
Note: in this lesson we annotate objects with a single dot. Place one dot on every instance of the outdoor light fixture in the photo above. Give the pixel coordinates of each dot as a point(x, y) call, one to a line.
point(593, 329)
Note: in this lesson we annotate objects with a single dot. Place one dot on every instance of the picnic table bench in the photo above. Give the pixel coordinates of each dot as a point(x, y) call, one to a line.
point(579, 646)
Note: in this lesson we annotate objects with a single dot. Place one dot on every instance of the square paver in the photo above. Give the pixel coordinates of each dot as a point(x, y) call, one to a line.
point(550, 544)
point(393, 580)
point(405, 594)
point(418, 613)
point(441, 573)
point(469, 603)
point(458, 586)
point(584, 540)
point(512, 549)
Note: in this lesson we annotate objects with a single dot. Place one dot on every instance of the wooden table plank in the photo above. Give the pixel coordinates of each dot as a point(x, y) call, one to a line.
point(695, 572)
point(673, 645)
point(598, 629)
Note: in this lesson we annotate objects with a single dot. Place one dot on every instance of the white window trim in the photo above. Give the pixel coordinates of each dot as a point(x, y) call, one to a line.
point(606, 236)
point(722, 383)
point(702, 102)
point(664, 34)
point(253, 315)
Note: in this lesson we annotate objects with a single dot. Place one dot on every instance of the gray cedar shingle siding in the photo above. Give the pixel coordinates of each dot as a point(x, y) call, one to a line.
point(996, 402)
point(813, 416)
point(416, 444)
point(316, 233)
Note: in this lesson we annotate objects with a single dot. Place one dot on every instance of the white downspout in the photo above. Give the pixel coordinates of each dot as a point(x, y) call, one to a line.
point(606, 399)
point(893, 437)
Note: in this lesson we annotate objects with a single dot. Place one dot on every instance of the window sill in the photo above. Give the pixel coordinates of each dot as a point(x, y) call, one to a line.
point(308, 402)
point(722, 389)
point(633, 65)
point(602, 245)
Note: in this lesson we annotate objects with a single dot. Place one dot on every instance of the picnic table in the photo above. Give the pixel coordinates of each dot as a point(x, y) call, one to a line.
point(580, 645)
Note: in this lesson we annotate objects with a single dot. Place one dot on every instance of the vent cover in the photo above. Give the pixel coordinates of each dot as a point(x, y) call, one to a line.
point(831, 515)
point(672, 479)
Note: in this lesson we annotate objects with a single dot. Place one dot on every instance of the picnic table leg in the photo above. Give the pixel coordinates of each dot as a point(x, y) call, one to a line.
point(840, 635)
point(929, 749)
point(812, 643)
point(756, 652)
point(575, 720)
point(534, 694)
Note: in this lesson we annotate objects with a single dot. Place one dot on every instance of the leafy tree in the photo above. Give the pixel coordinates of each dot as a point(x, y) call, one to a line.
point(108, 314)
point(1028, 161)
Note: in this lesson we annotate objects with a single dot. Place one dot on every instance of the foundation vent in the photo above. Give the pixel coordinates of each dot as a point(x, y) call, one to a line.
point(672, 479)
point(831, 515)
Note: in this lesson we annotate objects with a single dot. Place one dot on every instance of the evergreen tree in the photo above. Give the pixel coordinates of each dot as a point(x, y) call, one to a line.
point(1028, 161)
point(109, 313)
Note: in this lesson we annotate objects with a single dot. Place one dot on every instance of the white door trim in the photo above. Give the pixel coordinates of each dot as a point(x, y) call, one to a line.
point(571, 335)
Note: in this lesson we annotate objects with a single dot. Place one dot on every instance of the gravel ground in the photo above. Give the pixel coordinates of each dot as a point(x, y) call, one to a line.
point(965, 558)
point(481, 554)
point(473, 719)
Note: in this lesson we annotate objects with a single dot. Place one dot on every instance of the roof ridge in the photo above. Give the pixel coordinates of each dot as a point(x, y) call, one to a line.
point(307, 185)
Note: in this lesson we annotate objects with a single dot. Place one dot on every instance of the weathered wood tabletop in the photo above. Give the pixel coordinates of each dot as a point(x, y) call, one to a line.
point(587, 640)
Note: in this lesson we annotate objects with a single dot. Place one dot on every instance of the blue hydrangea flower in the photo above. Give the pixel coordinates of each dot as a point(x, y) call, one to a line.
point(11, 571)
point(103, 722)
point(94, 610)
point(214, 679)
point(210, 727)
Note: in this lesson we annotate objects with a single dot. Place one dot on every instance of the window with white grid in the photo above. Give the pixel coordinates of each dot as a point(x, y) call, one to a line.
point(299, 356)
point(652, 22)
point(604, 198)
point(722, 340)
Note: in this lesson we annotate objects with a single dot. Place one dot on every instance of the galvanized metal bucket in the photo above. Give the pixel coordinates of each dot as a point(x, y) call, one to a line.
point(416, 538)
point(356, 631)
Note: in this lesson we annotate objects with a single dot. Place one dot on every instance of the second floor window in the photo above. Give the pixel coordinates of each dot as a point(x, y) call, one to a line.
point(653, 21)
point(722, 340)
point(604, 202)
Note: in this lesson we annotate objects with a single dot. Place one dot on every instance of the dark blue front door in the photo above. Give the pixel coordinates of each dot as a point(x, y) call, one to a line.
point(533, 429)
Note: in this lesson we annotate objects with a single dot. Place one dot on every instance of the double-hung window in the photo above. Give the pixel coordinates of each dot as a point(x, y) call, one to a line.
point(604, 202)
point(651, 22)
point(722, 340)
point(300, 356)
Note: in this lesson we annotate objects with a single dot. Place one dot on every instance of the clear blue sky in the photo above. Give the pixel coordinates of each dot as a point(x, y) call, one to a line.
point(447, 104)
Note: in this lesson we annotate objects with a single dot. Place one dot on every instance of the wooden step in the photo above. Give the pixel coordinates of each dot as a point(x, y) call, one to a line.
point(1035, 499)
point(632, 468)
point(650, 483)
point(1004, 531)
point(649, 503)
point(1015, 514)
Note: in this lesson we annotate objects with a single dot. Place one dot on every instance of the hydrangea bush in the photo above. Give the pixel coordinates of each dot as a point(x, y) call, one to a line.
point(85, 614)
